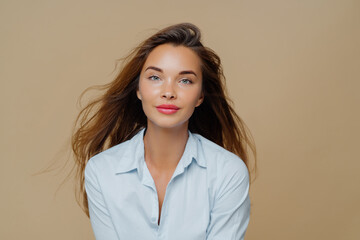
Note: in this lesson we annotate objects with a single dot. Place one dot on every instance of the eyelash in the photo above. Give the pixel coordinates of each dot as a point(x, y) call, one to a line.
point(184, 80)
point(187, 80)
point(153, 76)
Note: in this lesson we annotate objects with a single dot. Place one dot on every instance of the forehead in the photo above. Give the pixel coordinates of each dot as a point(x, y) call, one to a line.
point(173, 58)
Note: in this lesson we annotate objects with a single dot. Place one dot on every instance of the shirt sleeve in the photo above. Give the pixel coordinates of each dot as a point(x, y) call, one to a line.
point(230, 215)
point(101, 222)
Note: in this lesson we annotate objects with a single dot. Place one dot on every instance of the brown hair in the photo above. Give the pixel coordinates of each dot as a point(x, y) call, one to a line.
point(117, 115)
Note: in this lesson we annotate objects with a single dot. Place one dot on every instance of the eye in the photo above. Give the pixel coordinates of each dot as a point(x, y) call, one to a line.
point(154, 77)
point(185, 81)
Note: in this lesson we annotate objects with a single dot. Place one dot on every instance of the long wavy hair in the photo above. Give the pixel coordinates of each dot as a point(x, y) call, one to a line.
point(117, 115)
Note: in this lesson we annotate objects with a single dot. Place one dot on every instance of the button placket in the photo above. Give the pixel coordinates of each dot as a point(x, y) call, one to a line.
point(149, 182)
point(155, 208)
point(164, 211)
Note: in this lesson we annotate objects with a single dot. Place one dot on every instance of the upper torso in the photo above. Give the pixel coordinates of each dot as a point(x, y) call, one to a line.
point(132, 197)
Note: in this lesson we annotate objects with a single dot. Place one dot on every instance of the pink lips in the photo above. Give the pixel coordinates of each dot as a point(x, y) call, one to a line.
point(167, 108)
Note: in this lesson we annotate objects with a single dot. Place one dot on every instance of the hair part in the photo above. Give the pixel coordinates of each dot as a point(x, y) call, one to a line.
point(117, 115)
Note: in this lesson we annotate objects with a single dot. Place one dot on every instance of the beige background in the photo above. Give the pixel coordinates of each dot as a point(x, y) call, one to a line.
point(293, 70)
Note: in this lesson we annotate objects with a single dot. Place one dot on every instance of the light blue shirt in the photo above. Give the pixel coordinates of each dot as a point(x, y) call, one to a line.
point(206, 198)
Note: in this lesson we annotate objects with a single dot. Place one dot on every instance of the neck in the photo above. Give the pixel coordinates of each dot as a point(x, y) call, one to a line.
point(164, 147)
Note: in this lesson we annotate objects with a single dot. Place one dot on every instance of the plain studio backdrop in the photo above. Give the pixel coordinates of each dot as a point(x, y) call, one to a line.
point(293, 72)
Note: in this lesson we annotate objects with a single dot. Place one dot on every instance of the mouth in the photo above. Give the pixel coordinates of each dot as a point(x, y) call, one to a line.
point(167, 108)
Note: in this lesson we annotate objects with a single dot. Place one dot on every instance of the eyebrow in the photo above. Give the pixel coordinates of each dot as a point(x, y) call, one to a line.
point(180, 73)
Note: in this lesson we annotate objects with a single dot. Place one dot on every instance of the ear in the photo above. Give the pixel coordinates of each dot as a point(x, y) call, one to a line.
point(200, 100)
point(138, 94)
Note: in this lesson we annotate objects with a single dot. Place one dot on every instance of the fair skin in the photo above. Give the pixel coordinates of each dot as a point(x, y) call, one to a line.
point(170, 87)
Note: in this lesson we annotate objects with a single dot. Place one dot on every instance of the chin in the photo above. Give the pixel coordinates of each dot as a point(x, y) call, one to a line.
point(168, 124)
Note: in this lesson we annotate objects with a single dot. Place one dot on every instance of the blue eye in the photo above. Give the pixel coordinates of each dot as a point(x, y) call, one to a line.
point(155, 78)
point(186, 81)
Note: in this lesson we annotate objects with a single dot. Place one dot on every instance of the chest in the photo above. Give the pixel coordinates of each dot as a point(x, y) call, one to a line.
point(161, 181)
point(161, 184)
point(178, 209)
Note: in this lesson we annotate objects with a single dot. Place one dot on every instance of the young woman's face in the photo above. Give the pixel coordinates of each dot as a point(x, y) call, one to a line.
point(170, 86)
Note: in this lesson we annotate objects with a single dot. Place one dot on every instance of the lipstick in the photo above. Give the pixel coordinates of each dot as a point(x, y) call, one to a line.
point(167, 108)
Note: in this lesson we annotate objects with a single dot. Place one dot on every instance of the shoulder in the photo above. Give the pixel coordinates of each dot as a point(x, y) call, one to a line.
point(220, 160)
point(108, 159)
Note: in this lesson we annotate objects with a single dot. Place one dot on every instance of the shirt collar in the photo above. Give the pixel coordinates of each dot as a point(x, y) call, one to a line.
point(133, 157)
point(191, 152)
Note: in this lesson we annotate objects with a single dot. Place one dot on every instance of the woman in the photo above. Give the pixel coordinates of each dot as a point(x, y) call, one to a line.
point(162, 155)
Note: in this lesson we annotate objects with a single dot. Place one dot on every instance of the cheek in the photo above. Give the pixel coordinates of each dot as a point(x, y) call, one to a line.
point(147, 91)
point(142, 90)
point(194, 96)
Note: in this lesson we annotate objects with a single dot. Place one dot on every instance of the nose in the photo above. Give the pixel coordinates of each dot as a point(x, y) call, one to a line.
point(168, 91)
